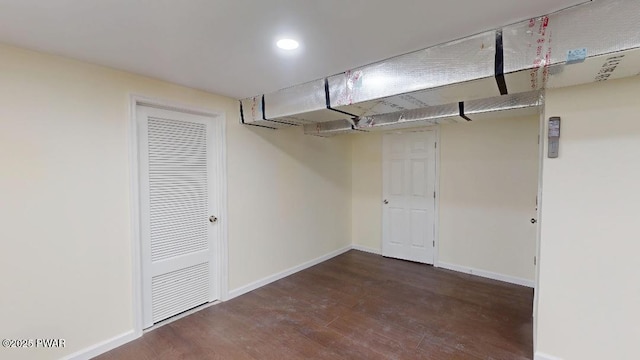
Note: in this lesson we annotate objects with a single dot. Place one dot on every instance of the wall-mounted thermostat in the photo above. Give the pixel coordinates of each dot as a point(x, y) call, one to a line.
point(554, 137)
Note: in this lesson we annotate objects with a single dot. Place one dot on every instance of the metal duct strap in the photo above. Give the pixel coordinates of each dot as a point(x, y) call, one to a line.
point(462, 111)
point(499, 64)
point(447, 73)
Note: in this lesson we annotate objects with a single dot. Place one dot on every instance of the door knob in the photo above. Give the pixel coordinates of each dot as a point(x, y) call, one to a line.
point(386, 201)
point(213, 219)
point(533, 221)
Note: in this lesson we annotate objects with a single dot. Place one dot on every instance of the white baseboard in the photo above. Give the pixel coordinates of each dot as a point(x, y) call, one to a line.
point(543, 356)
point(275, 277)
point(486, 274)
point(131, 335)
point(103, 347)
point(366, 249)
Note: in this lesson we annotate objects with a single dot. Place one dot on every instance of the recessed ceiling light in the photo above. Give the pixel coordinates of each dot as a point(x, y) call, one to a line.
point(287, 44)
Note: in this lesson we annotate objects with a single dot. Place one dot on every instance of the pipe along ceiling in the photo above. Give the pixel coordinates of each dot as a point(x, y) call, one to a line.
point(496, 72)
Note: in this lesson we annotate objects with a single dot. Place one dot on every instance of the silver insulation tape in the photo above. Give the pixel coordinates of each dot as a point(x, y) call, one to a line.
point(301, 104)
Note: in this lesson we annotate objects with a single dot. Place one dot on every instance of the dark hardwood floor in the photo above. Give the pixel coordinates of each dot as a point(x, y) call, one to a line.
point(354, 306)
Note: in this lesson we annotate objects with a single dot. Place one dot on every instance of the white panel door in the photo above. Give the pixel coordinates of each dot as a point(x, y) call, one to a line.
point(177, 198)
point(409, 196)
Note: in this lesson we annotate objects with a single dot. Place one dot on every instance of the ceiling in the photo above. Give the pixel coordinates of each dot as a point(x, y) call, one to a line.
point(228, 46)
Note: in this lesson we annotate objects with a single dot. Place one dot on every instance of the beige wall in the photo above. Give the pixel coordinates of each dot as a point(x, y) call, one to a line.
point(589, 305)
point(367, 191)
point(289, 199)
point(64, 198)
point(488, 189)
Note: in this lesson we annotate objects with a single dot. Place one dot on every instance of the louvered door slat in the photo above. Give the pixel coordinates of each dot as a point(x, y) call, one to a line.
point(172, 236)
point(176, 169)
point(180, 290)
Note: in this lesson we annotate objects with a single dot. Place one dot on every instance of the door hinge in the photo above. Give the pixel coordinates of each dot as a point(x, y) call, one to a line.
point(535, 261)
point(434, 243)
point(435, 145)
point(434, 194)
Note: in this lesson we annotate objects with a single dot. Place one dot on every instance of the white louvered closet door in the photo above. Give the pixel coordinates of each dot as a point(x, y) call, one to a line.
point(177, 197)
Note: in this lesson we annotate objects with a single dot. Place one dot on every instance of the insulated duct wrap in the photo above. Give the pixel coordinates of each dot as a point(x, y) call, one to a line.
point(251, 113)
point(591, 42)
point(508, 105)
point(512, 105)
point(330, 128)
point(300, 104)
point(596, 41)
point(419, 79)
point(433, 115)
point(526, 51)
